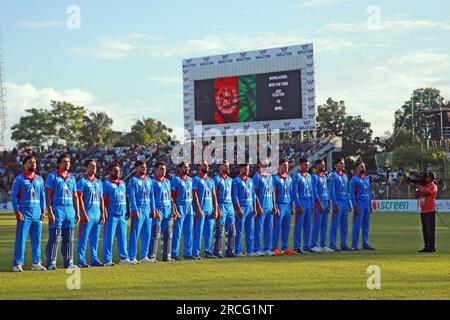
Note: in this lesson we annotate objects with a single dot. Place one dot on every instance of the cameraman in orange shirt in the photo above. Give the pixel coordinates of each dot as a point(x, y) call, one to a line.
point(426, 194)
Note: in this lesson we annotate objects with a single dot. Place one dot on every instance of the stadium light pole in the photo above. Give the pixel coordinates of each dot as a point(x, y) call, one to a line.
point(442, 120)
point(412, 117)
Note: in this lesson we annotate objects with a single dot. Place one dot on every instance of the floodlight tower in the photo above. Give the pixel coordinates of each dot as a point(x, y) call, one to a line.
point(2, 100)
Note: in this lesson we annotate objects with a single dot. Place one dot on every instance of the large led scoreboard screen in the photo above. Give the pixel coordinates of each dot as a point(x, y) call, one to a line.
point(262, 90)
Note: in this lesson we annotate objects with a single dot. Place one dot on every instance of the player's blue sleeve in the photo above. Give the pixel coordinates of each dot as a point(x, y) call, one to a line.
point(314, 182)
point(42, 196)
point(152, 197)
point(195, 183)
point(132, 195)
point(274, 184)
point(256, 182)
point(104, 187)
point(105, 192)
point(15, 193)
point(253, 193)
point(234, 191)
point(292, 191)
point(348, 192)
point(295, 186)
point(174, 184)
point(74, 186)
point(80, 186)
point(352, 192)
point(50, 182)
point(331, 188)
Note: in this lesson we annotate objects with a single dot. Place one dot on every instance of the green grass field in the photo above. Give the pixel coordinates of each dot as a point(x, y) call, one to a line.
point(405, 274)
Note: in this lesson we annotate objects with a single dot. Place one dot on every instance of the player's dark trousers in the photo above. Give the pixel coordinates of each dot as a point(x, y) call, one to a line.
point(429, 229)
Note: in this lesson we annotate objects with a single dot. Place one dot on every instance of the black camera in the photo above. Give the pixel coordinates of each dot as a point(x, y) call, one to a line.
point(416, 177)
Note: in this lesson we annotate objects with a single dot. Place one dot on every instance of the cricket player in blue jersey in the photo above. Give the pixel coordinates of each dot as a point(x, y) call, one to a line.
point(265, 198)
point(244, 200)
point(283, 210)
point(142, 204)
point(162, 222)
point(340, 201)
point(63, 213)
point(303, 196)
point(205, 208)
point(28, 200)
point(361, 198)
point(225, 222)
point(93, 216)
point(181, 186)
point(115, 195)
point(321, 207)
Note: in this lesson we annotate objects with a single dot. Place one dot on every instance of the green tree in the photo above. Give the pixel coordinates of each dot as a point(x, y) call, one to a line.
point(423, 99)
point(434, 156)
point(331, 118)
point(400, 137)
point(59, 126)
point(97, 131)
point(357, 139)
point(147, 131)
point(35, 129)
point(414, 156)
point(68, 121)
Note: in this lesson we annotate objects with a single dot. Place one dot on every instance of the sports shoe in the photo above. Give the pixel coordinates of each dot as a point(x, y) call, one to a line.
point(153, 260)
point(177, 258)
point(355, 249)
point(299, 251)
point(189, 258)
point(109, 264)
point(368, 248)
point(335, 249)
point(426, 250)
point(96, 263)
point(83, 264)
point(290, 252)
point(277, 252)
point(316, 250)
point(145, 260)
point(71, 266)
point(239, 255)
point(17, 268)
point(220, 256)
point(210, 256)
point(269, 253)
point(37, 267)
point(134, 261)
point(169, 260)
point(51, 266)
point(250, 254)
point(326, 250)
point(125, 261)
point(197, 258)
point(258, 254)
point(346, 248)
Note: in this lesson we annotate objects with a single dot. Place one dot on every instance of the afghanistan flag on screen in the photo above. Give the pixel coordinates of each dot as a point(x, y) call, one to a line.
point(226, 100)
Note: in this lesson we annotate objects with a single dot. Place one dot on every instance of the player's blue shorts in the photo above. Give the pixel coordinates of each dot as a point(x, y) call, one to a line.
point(65, 217)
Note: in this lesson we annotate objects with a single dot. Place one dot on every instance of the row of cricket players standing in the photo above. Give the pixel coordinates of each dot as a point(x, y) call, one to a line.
point(199, 208)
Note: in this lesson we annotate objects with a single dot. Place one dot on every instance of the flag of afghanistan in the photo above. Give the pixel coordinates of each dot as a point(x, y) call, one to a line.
point(226, 100)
